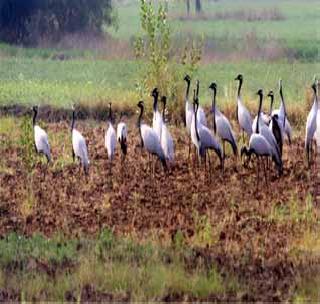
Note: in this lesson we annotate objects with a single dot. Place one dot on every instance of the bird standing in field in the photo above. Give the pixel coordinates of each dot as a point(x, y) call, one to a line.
point(221, 124)
point(110, 140)
point(41, 141)
point(166, 138)
point(243, 115)
point(79, 147)
point(122, 132)
point(202, 138)
point(189, 110)
point(259, 146)
point(149, 138)
point(157, 118)
point(311, 125)
point(281, 115)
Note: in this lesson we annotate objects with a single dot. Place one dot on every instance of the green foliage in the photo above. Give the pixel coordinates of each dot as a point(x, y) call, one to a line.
point(26, 143)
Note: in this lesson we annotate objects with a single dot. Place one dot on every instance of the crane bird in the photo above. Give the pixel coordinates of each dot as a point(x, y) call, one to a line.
point(243, 115)
point(202, 137)
point(149, 138)
point(274, 124)
point(110, 140)
point(166, 138)
point(41, 142)
point(259, 145)
point(189, 110)
point(157, 118)
point(221, 124)
point(122, 132)
point(311, 124)
point(79, 147)
point(281, 115)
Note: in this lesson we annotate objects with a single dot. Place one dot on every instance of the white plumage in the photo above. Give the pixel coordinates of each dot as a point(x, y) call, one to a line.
point(122, 132)
point(243, 115)
point(79, 147)
point(311, 124)
point(221, 124)
point(149, 138)
point(157, 118)
point(166, 138)
point(110, 140)
point(41, 140)
point(202, 138)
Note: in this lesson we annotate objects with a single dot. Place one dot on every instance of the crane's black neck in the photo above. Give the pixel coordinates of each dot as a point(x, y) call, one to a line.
point(110, 114)
point(188, 90)
point(155, 101)
point(259, 111)
point(197, 93)
point(195, 110)
point(271, 103)
point(139, 124)
point(73, 120)
point(35, 113)
point(214, 101)
point(314, 88)
point(240, 86)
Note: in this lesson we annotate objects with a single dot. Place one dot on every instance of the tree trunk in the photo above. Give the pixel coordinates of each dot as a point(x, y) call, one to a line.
point(198, 6)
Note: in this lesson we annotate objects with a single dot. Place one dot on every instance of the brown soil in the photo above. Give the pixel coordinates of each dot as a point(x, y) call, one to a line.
point(129, 200)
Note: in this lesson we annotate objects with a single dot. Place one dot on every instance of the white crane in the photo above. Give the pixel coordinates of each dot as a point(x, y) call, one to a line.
point(166, 138)
point(311, 124)
point(243, 115)
point(157, 118)
point(202, 137)
point(281, 115)
point(41, 141)
point(221, 124)
point(149, 139)
point(122, 132)
point(259, 145)
point(110, 140)
point(274, 125)
point(79, 147)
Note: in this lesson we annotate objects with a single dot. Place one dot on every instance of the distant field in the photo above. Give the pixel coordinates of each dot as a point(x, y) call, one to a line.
point(297, 31)
point(60, 83)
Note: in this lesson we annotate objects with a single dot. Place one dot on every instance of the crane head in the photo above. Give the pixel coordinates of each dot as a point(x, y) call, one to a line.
point(155, 92)
point(187, 78)
point(213, 86)
point(260, 92)
point(270, 94)
point(239, 77)
point(140, 104)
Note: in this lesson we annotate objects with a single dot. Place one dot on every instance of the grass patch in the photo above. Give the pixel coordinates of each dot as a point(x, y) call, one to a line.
point(37, 268)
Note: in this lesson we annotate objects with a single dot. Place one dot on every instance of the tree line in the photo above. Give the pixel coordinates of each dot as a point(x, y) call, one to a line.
point(26, 22)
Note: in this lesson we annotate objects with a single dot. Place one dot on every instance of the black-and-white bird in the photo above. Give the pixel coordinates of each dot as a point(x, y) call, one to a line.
point(41, 141)
point(122, 133)
point(243, 115)
point(201, 136)
point(281, 115)
point(189, 111)
point(259, 145)
point(149, 138)
point(157, 118)
point(166, 138)
point(221, 124)
point(110, 140)
point(274, 124)
point(79, 147)
point(311, 124)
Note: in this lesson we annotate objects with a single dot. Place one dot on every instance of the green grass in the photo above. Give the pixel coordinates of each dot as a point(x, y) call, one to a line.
point(297, 31)
point(61, 83)
point(38, 268)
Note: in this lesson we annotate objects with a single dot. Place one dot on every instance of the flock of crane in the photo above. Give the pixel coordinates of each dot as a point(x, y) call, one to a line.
point(266, 132)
